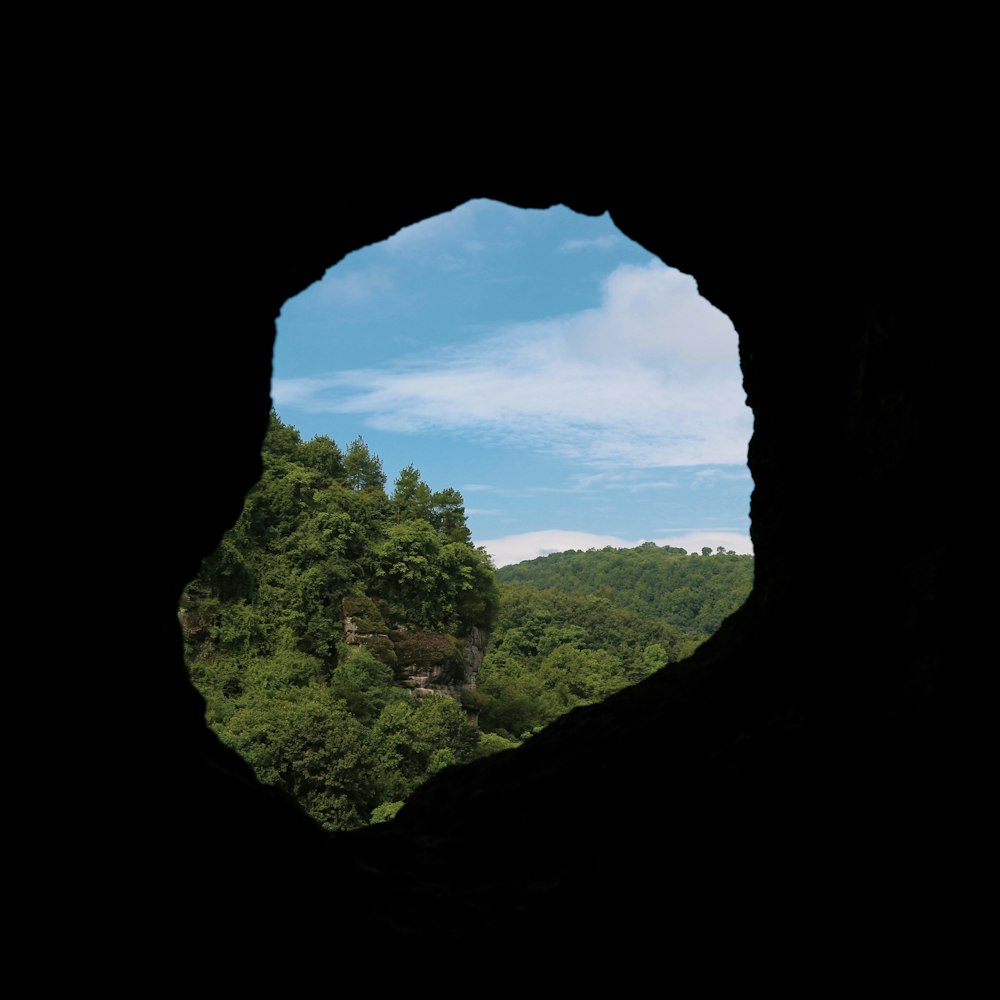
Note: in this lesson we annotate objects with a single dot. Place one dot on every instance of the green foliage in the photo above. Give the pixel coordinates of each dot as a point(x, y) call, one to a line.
point(408, 574)
point(448, 515)
point(319, 712)
point(693, 593)
point(362, 469)
point(491, 743)
point(418, 650)
point(318, 528)
point(414, 740)
point(470, 589)
point(286, 668)
point(282, 440)
point(365, 613)
point(385, 812)
point(446, 587)
point(306, 742)
point(322, 455)
point(364, 683)
point(524, 696)
point(318, 540)
point(551, 651)
point(411, 498)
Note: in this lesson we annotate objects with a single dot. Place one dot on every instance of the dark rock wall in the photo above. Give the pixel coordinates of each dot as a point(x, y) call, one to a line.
point(796, 769)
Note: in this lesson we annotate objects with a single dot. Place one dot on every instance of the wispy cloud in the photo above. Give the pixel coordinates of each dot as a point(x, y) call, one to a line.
point(300, 392)
point(721, 475)
point(532, 544)
point(641, 487)
point(596, 243)
point(650, 378)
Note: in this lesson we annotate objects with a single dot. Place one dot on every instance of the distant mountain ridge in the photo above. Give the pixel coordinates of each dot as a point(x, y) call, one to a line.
point(695, 592)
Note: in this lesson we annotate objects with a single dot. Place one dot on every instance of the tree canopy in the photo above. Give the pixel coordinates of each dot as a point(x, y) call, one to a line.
point(330, 604)
point(319, 540)
point(696, 592)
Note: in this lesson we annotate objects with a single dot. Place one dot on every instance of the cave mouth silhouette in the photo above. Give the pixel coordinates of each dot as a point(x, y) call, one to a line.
point(645, 306)
point(814, 758)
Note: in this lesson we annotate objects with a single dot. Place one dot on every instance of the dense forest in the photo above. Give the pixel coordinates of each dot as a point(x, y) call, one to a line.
point(692, 592)
point(350, 642)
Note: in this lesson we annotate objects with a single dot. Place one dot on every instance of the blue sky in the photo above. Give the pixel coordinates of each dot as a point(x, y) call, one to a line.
point(577, 391)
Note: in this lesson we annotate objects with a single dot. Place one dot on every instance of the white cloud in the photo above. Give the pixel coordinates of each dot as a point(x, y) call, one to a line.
point(641, 487)
point(596, 243)
point(532, 544)
point(648, 379)
point(299, 392)
point(721, 475)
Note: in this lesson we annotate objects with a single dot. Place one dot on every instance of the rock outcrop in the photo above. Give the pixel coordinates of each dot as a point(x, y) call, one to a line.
point(425, 662)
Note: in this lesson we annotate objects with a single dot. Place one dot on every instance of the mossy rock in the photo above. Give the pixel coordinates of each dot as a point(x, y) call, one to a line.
point(379, 646)
point(364, 613)
point(418, 651)
point(369, 626)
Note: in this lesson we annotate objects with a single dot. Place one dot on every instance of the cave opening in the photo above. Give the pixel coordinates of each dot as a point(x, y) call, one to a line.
point(569, 399)
point(818, 757)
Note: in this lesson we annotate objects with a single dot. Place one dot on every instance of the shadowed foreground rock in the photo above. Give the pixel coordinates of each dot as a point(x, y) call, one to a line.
point(795, 789)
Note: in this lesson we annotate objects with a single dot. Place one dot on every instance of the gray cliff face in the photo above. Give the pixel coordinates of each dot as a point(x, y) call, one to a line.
point(425, 662)
point(452, 676)
point(472, 656)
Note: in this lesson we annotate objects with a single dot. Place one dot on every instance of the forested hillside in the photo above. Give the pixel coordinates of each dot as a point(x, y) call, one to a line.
point(325, 606)
point(552, 651)
point(694, 592)
point(338, 632)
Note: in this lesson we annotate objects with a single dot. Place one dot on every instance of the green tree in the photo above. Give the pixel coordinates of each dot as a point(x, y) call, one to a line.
point(322, 455)
point(413, 740)
point(448, 515)
point(411, 497)
point(651, 580)
point(385, 812)
point(362, 469)
point(264, 627)
point(408, 575)
point(282, 440)
point(307, 743)
point(364, 684)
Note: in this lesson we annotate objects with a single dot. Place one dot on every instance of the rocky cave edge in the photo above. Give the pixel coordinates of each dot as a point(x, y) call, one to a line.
point(792, 775)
